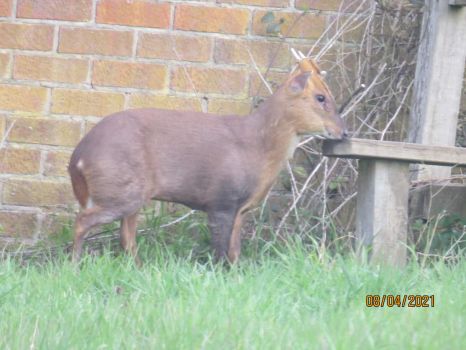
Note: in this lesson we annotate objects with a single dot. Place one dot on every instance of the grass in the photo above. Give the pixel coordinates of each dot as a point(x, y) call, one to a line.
point(284, 298)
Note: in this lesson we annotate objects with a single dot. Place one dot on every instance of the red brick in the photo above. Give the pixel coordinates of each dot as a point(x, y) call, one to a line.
point(129, 74)
point(295, 25)
point(19, 161)
point(45, 131)
point(354, 33)
point(6, 7)
point(54, 223)
point(65, 70)
point(257, 88)
point(228, 106)
point(164, 102)
point(88, 103)
point(22, 98)
point(265, 54)
point(26, 36)
point(4, 63)
point(211, 19)
point(330, 5)
point(139, 13)
point(66, 10)
point(95, 41)
point(209, 80)
point(56, 163)
point(174, 47)
point(267, 3)
point(2, 128)
point(37, 193)
point(18, 224)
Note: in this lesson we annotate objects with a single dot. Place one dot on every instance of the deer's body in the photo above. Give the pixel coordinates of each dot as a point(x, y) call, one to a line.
point(223, 165)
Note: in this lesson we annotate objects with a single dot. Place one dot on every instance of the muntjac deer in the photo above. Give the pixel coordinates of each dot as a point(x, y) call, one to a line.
point(223, 165)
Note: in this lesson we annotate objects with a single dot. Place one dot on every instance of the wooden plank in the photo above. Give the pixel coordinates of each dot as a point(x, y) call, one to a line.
point(457, 2)
point(430, 200)
point(382, 210)
point(439, 80)
point(400, 151)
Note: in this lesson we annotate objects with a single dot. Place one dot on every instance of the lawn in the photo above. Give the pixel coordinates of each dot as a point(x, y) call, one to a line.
point(288, 299)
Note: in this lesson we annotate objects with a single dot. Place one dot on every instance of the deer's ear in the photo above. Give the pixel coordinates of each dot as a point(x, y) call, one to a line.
point(299, 82)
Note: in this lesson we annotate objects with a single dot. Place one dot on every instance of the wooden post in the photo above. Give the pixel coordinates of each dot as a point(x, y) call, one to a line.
point(457, 2)
point(383, 188)
point(439, 80)
point(382, 209)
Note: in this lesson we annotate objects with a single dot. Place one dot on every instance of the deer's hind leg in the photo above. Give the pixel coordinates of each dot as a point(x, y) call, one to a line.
point(85, 221)
point(128, 236)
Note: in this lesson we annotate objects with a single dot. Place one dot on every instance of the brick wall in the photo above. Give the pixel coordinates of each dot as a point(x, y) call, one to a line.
point(66, 63)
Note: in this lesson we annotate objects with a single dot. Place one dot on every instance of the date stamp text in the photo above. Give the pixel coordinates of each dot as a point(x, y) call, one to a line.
point(390, 300)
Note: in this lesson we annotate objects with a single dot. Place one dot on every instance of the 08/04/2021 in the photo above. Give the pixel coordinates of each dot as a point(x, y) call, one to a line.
point(391, 300)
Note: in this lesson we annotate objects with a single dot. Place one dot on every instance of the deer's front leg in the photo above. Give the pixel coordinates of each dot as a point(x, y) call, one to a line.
point(221, 225)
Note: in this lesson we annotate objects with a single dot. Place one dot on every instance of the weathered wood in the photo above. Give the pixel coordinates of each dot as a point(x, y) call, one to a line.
point(457, 2)
point(382, 210)
point(400, 151)
point(429, 200)
point(439, 80)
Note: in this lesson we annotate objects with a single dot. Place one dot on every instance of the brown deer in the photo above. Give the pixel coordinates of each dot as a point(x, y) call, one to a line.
point(223, 165)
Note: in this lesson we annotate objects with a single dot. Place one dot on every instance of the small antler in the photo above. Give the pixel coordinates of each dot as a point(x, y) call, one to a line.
point(306, 64)
point(295, 54)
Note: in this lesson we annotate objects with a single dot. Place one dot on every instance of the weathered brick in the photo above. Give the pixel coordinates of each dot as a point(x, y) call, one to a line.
point(6, 7)
point(331, 5)
point(44, 131)
point(4, 64)
point(50, 69)
point(95, 41)
point(174, 47)
point(229, 106)
point(54, 223)
point(129, 74)
point(139, 13)
point(209, 80)
point(26, 36)
point(56, 163)
point(211, 19)
point(164, 102)
point(89, 103)
point(353, 34)
point(66, 10)
point(267, 3)
point(257, 87)
point(295, 25)
point(88, 126)
point(264, 53)
point(18, 224)
point(19, 161)
point(22, 98)
point(2, 128)
point(37, 193)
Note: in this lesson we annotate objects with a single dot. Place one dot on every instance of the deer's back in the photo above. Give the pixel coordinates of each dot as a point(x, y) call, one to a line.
point(197, 159)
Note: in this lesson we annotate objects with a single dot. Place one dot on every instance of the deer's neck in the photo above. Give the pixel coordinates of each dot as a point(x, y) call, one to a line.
point(276, 141)
point(276, 130)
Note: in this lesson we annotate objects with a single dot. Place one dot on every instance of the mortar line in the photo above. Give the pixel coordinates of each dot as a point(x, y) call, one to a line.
point(15, 9)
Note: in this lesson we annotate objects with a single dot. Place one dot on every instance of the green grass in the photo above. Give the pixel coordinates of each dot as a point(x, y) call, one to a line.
point(285, 299)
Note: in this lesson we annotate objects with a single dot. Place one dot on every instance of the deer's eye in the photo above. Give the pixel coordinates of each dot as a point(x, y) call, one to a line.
point(320, 98)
